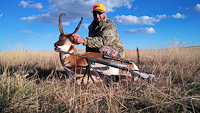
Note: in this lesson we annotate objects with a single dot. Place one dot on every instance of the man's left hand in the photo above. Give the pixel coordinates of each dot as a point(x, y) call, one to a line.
point(78, 39)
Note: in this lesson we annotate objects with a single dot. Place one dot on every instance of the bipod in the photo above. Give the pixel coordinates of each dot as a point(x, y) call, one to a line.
point(87, 71)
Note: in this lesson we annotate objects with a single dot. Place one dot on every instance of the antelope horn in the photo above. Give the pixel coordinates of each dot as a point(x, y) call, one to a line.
point(78, 26)
point(60, 23)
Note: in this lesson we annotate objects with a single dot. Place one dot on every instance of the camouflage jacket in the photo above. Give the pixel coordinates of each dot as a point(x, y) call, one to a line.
point(103, 34)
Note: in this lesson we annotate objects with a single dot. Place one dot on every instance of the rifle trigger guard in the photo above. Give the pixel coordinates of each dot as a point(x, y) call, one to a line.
point(90, 62)
point(127, 70)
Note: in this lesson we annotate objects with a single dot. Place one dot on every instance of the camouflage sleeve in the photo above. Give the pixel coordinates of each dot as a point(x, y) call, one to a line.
point(106, 36)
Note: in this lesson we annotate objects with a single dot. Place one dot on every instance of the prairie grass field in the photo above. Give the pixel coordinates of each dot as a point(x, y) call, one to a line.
point(34, 81)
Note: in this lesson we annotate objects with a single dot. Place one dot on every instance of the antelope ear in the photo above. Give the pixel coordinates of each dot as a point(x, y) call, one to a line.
point(62, 35)
point(72, 40)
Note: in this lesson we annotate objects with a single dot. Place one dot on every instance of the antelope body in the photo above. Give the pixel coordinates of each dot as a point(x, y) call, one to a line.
point(75, 66)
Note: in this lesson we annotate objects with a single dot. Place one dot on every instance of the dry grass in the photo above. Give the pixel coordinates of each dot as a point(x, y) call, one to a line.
point(33, 82)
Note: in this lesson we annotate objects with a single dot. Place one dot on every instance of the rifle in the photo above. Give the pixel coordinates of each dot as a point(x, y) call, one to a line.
point(111, 63)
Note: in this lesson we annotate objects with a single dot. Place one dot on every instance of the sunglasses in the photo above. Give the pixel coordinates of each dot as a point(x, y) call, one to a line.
point(97, 12)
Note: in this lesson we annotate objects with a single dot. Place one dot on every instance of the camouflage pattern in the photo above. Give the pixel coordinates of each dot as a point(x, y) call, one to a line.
point(103, 34)
point(108, 50)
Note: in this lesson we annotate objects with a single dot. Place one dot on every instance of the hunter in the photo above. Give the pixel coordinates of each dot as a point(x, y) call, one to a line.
point(103, 35)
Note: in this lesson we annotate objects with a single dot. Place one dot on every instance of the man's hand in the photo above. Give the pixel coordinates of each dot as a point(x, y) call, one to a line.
point(78, 39)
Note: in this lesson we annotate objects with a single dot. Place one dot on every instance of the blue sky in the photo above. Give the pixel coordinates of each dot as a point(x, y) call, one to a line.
point(141, 23)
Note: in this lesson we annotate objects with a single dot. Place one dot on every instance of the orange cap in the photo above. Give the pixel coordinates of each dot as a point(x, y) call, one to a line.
point(99, 7)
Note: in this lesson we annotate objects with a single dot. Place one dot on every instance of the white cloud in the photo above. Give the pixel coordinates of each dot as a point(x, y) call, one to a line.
point(65, 23)
point(47, 18)
point(178, 16)
point(30, 18)
point(26, 31)
point(128, 5)
point(197, 8)
point(133, 20)
point(1, 14)
point(36, 6)
point(23, 4)
point(111, 4)
point(141, 31)
point(85, 25)
point(135, 7)
point(74, 10)
point(163, 16)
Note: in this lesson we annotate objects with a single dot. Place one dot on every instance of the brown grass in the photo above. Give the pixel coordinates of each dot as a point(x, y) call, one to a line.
point(32, 81)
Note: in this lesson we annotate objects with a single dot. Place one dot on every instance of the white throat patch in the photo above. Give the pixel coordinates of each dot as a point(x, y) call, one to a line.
point(63, 56)
point(64, 48)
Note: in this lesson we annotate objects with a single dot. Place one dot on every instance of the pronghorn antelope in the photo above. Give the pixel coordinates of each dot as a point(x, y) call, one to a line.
point(75, 66)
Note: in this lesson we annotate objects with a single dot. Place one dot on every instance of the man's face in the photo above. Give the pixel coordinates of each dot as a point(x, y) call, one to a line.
point(98, 15)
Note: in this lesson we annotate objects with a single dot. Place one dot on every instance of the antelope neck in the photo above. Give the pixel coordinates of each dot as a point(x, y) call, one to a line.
point(63, 56)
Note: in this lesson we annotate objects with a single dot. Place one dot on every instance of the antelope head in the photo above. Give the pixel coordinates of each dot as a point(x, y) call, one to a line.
point(65, 40)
